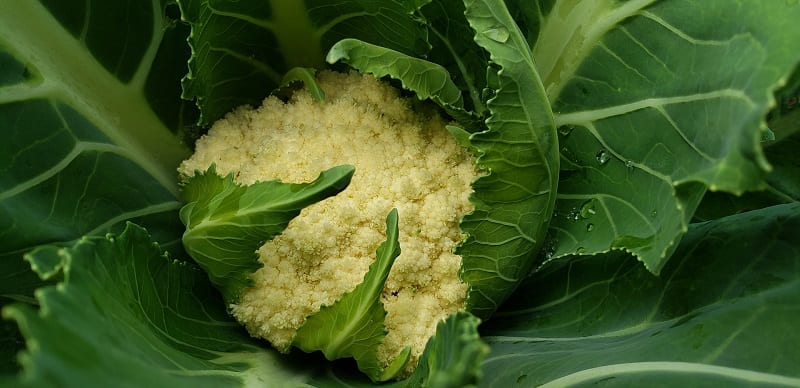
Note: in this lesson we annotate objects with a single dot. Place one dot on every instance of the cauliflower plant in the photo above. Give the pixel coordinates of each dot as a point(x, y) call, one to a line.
point(404, 158)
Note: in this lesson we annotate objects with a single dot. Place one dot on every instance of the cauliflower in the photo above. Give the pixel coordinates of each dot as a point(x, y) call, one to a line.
point(404, 158)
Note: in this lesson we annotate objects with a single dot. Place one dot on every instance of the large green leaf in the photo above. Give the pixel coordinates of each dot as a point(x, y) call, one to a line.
point(226, 222)
point(127, 314)
point(91, 117)
point(723, 312)
point(656, 102)
point(241, 49)
point(514, 201)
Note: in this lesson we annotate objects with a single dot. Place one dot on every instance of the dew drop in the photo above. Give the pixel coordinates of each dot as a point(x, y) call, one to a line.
point(565, 130)
point(499, 34)
point(629, 164)
point(550, 248)
point(603, 157)
point(587, 209)
point(568, 155)
point(580, 250)
point(574, 214)
point(654, 213)
point(589, 227)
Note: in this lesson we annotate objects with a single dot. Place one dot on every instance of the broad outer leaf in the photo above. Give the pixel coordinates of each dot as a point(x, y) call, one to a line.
point(657, 101)
point(226, 222)
point(514, 201)
point(723, 312)
point(127, 315)
point(353, 326)
point(90, 118)
point(241, 49)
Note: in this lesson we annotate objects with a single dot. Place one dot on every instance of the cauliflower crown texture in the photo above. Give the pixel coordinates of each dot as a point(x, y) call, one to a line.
point(404, 159)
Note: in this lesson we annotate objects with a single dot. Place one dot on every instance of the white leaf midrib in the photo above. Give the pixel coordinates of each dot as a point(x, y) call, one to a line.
point(70, 74)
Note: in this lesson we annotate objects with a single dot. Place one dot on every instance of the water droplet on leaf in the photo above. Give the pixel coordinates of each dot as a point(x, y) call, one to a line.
point(568, 155)
point(587, 209)
point(565, 130)
point(629, 164)
point(654, 213)
point(603, 157)
point(580, 250)
point(550, 249)
point(499, 34)
point(574, 214)
point(589, 227)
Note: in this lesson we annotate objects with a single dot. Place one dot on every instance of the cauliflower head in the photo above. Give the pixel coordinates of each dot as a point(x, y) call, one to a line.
point(404, 158)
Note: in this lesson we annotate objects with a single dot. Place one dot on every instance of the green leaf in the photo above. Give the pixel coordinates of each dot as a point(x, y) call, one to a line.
point(226, 222)
point(453, 356)
point(354, 325)
point(782, 185)
point(305, 76)
point(515, 199)
point(11, 343)
point(784, 119)
point(91, 124)
point(125, 314)
point(426, 79)
point(454, 48)
point(657, 101)
point(242, 49)
point(782, 180)
point(723, 312)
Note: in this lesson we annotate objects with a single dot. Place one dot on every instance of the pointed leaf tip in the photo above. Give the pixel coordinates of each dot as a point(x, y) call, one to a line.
point(354, 325)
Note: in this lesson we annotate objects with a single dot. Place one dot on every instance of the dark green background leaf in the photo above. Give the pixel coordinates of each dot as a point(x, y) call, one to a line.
point(114, 321)
point(724, 309)
point(242, 49)
point(454, 48)
point(782, 184)
point(91, 121)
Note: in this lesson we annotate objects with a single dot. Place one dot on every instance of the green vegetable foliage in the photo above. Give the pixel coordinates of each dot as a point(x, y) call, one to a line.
point(92, 125)
point(639, 208)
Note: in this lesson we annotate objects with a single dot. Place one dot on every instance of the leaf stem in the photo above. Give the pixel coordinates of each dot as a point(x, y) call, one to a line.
point(295, 34)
